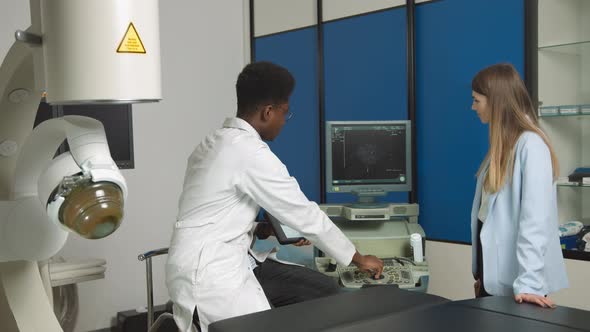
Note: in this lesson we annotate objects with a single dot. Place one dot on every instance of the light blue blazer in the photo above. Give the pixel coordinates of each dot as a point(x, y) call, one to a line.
point(520, 240)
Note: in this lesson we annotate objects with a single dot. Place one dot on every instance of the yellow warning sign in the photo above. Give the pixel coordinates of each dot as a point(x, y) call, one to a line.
point(131, 42)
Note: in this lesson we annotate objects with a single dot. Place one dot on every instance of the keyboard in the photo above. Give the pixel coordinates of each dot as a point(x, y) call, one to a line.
point(395, 271)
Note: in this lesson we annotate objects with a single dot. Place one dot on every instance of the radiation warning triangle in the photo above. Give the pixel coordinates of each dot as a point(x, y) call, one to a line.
point(131, 42)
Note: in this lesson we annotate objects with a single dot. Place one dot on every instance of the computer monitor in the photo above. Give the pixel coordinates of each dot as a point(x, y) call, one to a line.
point(368, 158)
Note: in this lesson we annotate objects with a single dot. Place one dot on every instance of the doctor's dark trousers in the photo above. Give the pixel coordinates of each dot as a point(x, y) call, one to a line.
point(285, 284)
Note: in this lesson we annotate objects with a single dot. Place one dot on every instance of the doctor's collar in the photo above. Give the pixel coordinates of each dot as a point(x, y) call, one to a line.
point(242, 124)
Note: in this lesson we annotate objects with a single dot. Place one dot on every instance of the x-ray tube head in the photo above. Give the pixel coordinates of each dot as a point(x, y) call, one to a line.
point(91, 209)
point(83, 189)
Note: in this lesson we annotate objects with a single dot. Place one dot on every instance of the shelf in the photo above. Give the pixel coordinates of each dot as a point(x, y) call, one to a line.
point(561, 115)
point(568, 48)
point(575, 185)
point(575, 254)
point(582, 110)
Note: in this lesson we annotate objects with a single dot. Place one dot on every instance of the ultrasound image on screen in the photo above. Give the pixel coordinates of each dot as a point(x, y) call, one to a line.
point(364, 154)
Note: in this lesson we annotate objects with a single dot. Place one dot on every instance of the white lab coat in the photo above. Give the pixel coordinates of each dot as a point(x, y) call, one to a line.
point(230, 174)
point(519, 238)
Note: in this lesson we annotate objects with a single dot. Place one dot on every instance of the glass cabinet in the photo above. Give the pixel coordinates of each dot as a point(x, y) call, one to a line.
point(561, 87)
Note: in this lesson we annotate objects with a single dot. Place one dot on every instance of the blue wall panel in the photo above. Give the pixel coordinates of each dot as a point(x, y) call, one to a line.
point(298, 144)
point(365, 73)
point(454, 40)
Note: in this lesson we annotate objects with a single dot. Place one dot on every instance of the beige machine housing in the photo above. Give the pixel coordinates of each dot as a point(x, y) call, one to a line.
point(383, 232)
point(386, 235)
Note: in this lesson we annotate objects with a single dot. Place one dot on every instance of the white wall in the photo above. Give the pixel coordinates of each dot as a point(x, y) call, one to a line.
point(14, 14)
point(202, 47)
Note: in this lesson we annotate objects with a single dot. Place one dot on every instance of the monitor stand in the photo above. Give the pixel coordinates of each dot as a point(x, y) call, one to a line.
point(367, 200)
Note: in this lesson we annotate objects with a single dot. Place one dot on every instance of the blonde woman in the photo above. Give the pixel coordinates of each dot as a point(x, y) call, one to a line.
point(514, 235)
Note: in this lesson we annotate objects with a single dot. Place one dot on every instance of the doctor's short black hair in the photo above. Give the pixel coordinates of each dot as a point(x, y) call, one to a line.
point(262, 83)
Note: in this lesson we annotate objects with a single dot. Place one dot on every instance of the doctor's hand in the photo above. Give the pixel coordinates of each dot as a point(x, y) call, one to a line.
point(539, 300)
point(302, 242)
point(369, 264)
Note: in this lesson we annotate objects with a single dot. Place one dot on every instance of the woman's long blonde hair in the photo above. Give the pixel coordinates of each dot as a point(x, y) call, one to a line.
point(511, 114)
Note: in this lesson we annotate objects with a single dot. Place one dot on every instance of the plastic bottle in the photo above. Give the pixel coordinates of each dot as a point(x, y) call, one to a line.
point(416, 243)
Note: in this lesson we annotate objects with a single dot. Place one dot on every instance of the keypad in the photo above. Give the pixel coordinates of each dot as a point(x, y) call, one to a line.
point(393, 271)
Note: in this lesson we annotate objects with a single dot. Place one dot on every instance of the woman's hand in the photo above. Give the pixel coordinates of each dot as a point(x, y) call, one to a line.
point(539, 300)
point(477, 287)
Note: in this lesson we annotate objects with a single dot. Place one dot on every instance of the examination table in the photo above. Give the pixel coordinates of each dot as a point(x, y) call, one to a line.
point(387, 308)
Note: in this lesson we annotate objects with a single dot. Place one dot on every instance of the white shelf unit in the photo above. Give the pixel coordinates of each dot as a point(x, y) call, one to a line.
point(563, 60)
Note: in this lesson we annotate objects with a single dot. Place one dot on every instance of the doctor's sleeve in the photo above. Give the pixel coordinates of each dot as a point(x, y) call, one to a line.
point(536, 217)
point(266, 180)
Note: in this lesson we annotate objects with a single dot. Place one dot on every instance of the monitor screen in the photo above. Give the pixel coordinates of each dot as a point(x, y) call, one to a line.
point(368, 156)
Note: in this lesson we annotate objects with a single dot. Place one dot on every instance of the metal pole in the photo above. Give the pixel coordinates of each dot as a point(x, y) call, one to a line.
point(531, 38)
point(321, 97)
point(147, 257)
point(150, 292)
point(252, 37)
point(411, 81)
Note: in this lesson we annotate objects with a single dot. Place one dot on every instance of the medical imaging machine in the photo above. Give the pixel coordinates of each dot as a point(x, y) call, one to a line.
point(75, 52)
point(370, 159)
